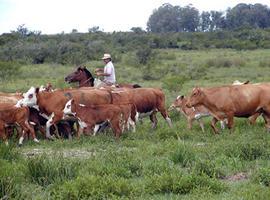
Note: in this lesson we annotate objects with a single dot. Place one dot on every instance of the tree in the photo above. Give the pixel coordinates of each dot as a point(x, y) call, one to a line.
point(248, 15)
point(165, 19)
point(205, 21)
point(137, 30)
point(189, 19)
point(94, 29)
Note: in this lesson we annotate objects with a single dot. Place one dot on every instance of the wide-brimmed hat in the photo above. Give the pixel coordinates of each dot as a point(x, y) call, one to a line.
point(106, 56)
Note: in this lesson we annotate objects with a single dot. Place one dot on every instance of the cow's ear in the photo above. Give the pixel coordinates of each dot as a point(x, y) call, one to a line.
point(72, 100)
point(182, 97)
point(37, 90)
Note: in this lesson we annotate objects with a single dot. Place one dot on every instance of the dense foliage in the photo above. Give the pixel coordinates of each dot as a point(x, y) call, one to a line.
point(77, 48)
point(169, 18)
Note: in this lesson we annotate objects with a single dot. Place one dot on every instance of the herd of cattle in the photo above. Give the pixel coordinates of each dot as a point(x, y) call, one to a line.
point(89, 109)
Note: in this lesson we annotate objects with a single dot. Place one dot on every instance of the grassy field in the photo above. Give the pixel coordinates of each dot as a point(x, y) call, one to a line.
point(164, 163)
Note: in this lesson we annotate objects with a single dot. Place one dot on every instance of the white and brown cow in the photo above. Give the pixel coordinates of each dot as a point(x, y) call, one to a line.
point(11, 114)
point(89, 116)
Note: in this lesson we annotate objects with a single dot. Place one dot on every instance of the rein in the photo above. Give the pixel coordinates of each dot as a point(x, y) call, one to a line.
point(81, 85)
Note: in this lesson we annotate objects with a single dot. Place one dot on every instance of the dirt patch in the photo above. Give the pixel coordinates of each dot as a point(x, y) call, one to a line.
point(70, 153)
point(237, 177)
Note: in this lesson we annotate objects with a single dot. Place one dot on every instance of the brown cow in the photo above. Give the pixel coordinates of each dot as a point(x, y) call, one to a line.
point(10, 114)
point(147, 101)
point(233, 101)
point(89, 116)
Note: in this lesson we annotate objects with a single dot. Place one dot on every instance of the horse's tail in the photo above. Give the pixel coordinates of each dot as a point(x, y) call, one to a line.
point(136, 86)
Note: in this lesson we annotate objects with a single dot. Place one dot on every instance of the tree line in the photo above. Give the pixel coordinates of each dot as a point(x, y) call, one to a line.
point(168, 27)
point(169, 18)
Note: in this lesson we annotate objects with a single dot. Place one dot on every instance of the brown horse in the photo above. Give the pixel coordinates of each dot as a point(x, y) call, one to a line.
point(85, 79)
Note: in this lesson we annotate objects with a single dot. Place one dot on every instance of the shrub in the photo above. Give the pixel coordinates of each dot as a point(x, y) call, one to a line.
point(95, 187)
point(209, 168)
point(45, 171)
point(9, 152)
point(219, 62)
point(262, 176)
point(9, 180)
point(9, 70)
point(246, 151)
point(183, 156)
point(174, 83)
point(143, 55)
point(264, 63)
point(179, 183)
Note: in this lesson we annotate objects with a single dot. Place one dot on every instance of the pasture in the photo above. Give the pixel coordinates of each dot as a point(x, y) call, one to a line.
point(149, 164)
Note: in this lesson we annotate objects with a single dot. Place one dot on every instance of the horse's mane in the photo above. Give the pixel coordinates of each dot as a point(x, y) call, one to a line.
point(87, 72)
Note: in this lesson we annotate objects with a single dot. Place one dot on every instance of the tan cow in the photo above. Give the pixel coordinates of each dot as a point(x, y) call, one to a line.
point(233, 101)
point(191, 114)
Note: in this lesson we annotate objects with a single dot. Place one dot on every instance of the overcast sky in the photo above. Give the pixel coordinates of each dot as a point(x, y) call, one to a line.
point(56, 16)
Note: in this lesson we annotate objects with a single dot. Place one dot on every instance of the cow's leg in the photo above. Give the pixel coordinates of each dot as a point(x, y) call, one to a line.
point(266, 117)
point(223, 124)
point(201, 124)
point(115, 124)
point(165, 115)
point(213, 125)
point(53, 119)
point(189, 123)
point(153, 119)
point(253, 118)
point(3, 133)
point(230, 122)
point(132, 124)
point(26, 129)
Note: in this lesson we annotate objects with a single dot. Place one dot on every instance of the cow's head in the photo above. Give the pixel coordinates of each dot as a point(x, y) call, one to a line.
point(68, 108)
point(179, 102)
point(236, 82)
point(196, 98)
point(30, 97)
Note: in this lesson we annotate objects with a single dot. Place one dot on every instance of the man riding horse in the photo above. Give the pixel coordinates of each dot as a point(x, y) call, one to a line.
point(108, 72)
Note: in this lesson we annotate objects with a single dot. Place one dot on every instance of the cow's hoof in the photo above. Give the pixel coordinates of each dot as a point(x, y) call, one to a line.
point(19, 145)
point(36, 140)
point(50, 138)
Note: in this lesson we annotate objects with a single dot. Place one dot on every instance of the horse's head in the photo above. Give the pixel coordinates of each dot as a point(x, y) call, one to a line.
point(81, 75)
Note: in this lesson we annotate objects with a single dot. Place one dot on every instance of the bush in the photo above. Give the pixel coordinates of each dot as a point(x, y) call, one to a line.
point(209, 168)
point(45, 171)
point(95, 187)
point(247, 151)
point(183, 156)
point(9, 70)
point(264, 63)
point(174, 83)
point(144, 55)
point(219, 62)
point(262, 176)
point(178, 183)
point(9, 180)
point(9, 152)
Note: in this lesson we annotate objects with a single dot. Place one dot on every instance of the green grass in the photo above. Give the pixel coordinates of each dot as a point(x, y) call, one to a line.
point(164, 163)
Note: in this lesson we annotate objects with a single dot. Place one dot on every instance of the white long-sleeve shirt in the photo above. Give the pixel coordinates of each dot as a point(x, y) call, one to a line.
point(109, 69)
